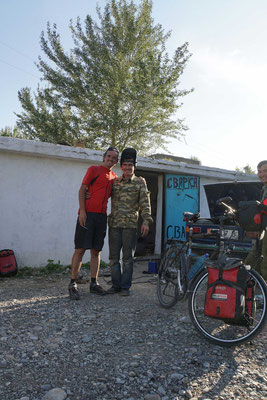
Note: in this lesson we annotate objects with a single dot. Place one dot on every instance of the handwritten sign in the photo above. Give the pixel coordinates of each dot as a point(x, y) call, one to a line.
point(181, 194)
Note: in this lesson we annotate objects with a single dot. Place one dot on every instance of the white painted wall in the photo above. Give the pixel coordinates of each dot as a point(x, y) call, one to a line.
point(39, 185)
point(39, 204)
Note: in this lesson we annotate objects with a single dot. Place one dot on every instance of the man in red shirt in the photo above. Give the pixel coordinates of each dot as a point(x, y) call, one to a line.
point(92, 220)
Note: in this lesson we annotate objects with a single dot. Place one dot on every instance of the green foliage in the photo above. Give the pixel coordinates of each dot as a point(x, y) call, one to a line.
point(117, 86)
point(103, 265)
point(194, 158)
point(246, 170)
point(52, 268)
point(15, 132)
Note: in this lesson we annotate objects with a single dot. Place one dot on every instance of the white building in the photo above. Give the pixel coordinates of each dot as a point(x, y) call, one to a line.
point(39, 185)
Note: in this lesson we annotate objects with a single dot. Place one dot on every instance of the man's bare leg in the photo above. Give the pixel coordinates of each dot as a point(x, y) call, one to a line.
point(95, 263)
point(94, 267)
point(76, 262)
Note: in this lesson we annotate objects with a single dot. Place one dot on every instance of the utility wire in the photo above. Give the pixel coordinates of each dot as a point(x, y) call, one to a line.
point(20, 69)
point(17, 51)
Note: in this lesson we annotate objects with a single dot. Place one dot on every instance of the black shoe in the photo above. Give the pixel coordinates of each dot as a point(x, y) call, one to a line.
point(97, 289)
point(73, 292)
point(125, 292)
point(113, 290)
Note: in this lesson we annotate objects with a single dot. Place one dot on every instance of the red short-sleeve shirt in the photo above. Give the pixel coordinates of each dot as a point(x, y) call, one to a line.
point(100, 189)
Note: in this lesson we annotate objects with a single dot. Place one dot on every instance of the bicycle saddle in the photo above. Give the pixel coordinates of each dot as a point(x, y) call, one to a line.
point(189, 216)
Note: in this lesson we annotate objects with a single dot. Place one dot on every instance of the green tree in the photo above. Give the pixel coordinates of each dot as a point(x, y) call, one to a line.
point(117, 86)
point(246, 170)
point(194, 158)
point(15, 132)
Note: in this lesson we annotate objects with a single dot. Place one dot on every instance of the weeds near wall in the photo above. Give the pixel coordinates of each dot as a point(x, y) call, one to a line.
point(52, 268)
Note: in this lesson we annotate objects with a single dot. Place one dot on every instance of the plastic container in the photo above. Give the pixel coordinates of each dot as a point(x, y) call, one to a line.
point(197, 266)
point(153, 267)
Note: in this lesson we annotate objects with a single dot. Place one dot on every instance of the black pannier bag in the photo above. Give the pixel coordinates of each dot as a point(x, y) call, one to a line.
point(249, 216)
point(226, 292)
point(250, 304)
point(8, 263)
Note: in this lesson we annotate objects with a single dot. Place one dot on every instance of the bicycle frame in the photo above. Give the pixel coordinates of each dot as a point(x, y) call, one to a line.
point(186, 253)
point(182, 251)
point(175, 284)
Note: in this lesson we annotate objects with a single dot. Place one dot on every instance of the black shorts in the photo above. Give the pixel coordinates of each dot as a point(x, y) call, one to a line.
point(93, 235)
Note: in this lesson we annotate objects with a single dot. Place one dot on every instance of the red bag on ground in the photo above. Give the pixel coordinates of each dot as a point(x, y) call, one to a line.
point(8, 263)
point(226, 293)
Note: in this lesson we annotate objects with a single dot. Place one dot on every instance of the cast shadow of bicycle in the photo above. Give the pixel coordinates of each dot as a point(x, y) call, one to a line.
point(47, 314)
point(215, 370)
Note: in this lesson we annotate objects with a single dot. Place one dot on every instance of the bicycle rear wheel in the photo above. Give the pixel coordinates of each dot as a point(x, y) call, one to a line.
point(171, 285)
point(217, 331)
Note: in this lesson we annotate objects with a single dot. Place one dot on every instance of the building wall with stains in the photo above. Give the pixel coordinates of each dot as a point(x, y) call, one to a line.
point(39, 196)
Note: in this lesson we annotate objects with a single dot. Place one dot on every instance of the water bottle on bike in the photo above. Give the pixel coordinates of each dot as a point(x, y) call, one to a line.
point(210, 285)
point(197, 266)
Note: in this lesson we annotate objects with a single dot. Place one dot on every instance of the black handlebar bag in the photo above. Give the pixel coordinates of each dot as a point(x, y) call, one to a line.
point(226, 292)
point(250, 301)
point(249, 217)
point(8, 263)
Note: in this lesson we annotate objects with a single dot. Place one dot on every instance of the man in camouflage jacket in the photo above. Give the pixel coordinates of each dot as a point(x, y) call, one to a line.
point(129, 197)
point(260, 248)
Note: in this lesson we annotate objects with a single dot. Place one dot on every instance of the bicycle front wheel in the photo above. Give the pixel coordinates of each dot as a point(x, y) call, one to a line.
point(217, 331)
point(171, 285)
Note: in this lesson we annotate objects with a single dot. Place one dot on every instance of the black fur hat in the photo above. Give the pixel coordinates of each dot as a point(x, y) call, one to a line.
point(128, 154)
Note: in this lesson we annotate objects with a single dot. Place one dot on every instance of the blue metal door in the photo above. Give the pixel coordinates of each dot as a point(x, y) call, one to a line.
point(181, 194)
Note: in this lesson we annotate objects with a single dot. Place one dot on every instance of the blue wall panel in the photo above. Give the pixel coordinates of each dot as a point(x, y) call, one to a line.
point(181, 194)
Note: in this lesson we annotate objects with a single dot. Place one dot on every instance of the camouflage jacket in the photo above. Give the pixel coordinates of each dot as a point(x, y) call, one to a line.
point(264, 192)
point(264, 200)
point(128, 197)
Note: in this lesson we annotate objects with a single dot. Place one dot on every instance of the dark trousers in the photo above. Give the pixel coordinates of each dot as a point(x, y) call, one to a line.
point(122, 239)
point(258, 250)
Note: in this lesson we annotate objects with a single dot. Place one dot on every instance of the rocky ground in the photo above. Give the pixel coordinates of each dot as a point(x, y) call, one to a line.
point(114, 347)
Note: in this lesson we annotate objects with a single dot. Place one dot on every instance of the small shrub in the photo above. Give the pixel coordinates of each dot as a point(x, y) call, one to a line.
point(52, 268)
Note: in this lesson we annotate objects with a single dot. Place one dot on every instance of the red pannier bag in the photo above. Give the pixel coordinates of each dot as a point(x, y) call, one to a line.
point(8, 263)
point(226, 292)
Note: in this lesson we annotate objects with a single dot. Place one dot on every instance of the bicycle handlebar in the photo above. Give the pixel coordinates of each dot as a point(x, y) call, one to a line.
point(222, 202)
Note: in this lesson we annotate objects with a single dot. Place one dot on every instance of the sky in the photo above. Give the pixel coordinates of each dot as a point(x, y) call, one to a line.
point(225, 114)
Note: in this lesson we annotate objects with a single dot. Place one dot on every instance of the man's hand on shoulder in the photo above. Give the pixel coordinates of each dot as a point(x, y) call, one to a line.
point(142, 179)
point(87, 195)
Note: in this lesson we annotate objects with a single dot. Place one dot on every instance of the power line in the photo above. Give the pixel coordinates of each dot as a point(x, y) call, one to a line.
point(20, 69)
point(17, 51)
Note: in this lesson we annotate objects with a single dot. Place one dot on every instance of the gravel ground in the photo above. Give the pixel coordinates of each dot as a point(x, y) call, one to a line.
point(114, 347)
